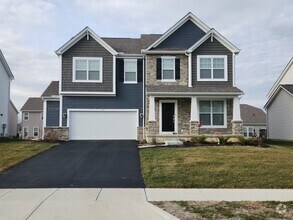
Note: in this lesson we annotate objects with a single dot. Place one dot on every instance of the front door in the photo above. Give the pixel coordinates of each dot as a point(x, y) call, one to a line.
point(168, 117)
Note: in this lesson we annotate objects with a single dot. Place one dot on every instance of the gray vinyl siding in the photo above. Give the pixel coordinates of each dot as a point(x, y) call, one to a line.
point(183, 37)
point(87, 48)
point(52, 118)
point(212, 48)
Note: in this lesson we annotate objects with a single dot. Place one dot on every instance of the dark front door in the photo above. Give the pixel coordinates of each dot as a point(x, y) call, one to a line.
point(168, 117)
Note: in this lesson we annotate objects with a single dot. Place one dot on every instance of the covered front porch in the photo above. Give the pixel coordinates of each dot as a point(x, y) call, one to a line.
point(181, 117)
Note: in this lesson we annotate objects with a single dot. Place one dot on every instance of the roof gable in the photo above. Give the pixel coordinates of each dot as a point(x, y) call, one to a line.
point(85, 32)
point(287, 88)
point(281, 78)
point(214, 34)
point(175, 27)
point(184, 37)
point(6, 66)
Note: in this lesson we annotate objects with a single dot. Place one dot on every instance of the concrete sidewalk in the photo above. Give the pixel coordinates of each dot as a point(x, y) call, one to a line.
point(97, 203)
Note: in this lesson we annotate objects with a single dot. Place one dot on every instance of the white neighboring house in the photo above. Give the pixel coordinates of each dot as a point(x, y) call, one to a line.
point(8, 112)
point(279, 106)
point(32, 118)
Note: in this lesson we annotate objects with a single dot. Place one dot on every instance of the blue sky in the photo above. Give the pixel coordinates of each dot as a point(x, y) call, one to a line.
point(31, 30)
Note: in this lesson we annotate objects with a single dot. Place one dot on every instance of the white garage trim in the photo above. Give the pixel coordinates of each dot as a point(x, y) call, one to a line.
point(134, 122)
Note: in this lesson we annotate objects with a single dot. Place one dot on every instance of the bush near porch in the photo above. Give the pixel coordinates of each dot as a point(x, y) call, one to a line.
point(218, 167)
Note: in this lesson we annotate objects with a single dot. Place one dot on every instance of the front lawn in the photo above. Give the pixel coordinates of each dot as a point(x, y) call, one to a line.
point(14, 152)
point(218, 167)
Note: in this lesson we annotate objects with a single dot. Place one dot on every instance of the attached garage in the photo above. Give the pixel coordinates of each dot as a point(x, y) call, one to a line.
point(102, 124)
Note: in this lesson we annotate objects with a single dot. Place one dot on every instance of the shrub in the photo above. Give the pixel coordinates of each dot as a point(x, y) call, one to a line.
point(244, 141)
point(199, 139)
point(223, 140)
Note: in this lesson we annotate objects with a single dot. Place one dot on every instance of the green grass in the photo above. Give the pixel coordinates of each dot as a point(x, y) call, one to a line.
point(14, 152)
point(218, 167)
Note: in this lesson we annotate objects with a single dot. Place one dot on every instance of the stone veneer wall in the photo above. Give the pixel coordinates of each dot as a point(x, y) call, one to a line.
point(56, 133)
point(140, 134)
point(237, 127)
point(151, 71)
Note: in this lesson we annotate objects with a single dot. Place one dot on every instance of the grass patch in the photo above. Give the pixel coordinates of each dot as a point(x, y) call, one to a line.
point(218, 167)
point(14, 152)
point(228, 210)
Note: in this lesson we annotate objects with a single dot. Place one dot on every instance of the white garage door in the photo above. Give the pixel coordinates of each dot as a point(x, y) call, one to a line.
point(103, 125)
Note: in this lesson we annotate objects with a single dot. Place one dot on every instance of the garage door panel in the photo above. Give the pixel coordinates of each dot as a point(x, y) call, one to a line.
point(103, 125)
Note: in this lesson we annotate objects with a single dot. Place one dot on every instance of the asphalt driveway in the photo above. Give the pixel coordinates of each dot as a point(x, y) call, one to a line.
point(79, 164)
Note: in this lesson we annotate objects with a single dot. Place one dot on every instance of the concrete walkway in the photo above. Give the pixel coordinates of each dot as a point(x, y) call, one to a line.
point(97, 203)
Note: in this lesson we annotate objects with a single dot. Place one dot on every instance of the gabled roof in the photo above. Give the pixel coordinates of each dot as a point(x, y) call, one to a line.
point(219, 37)
point(33, 104)
point(276, 84)
point(80, 35)
point(52, 89)
point(286, 88)
point(124, 45)
point(6, 66)
point(252, 115)
point(188, 16)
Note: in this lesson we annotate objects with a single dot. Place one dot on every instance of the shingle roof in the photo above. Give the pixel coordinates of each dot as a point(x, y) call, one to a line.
point(33, 104)
point(288, 87)
point(52, 89)
point(252, 115)
point(196, 89)
point(131, 45)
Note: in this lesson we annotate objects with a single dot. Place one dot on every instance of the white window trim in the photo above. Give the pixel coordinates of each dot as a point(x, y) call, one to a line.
point(162, 69)
point(225, 114)
point(176, 116)
point(34, 131)
point(23, 116)
point(130, 82)
point(212, 56)
point(28, 131)
point(87, 58)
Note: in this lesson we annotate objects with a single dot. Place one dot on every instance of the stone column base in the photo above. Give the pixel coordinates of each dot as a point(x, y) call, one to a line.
point(139, 134)
point(56, 134)
point(194, 127)
point(237, 127)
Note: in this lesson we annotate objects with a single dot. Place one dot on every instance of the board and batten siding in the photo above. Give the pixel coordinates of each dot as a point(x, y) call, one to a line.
point(213, 47)
point(183, 38)
point(52, 118)
point(280, 117)
point(87, 48)
point(128, 96)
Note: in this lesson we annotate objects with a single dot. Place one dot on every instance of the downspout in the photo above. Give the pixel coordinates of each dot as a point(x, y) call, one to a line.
point(143, 98)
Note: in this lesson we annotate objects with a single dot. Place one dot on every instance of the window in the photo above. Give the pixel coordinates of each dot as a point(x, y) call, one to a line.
point(212, 68)
point(250, 132)
point(130, 71)
point(25, 132)
point(87, 69)
point(168, 68)
point(212, 113)
point(36, 131)
point(245, 132)
point(25, 116)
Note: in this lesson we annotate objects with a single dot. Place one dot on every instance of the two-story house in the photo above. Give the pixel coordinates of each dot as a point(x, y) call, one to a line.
point(157, 87)
point(8, 112)
point(32, 118)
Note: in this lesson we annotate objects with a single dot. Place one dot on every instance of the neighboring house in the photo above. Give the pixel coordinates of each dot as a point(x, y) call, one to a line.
point(154, 87)
point(32, 119)
point(279, 106)
point(254, 121)
point(8, 112)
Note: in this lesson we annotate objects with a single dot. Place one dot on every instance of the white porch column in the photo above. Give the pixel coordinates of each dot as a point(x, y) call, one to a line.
point(194, 109)
point(152, 114)
point(189, 70)
point(236, 109)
